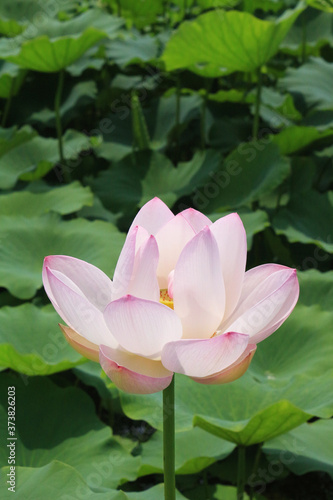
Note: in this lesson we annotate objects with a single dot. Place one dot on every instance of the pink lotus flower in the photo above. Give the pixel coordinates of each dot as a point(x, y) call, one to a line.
point(180, 301)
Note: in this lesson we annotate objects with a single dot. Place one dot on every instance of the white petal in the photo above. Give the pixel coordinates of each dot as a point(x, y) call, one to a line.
point(123, 274)
point(269, 295)
point(230, 236)
point(171, 240)
point(153, 216)
point(201, 358)
point(132, 373)
point(80, 314)
point(84, 278)
point(142, 326)
point(144, 283)
point(233, 372)
point(198, 289)
point(196, 219)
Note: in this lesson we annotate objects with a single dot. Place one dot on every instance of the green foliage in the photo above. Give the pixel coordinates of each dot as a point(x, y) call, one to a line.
point(218, 105)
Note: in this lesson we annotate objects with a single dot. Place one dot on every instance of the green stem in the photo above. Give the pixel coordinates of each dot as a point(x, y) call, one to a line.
point(8, 104)
point(57, 102)
point(241, 472)
point(255, 128)
point(255, 467)
point(303, 37)
point(169, 441)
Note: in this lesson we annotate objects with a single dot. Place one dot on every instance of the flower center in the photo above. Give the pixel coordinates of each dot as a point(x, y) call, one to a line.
point(165, 299)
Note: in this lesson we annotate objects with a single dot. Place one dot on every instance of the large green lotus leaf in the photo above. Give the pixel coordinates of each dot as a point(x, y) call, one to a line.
point(11, 138)
point(313, 81)
point(31, 341)
point(30, 10)
point(81, 441)
point(307, 348)
point(26, 241)
point(219, 42)
point(9, 27)
point(11, 78)
point(317, 287)
point(294, 139)
point(92, 374)
point(134, 50)
point(276, 109)
point(35, 157)
point(81, 94)
point(299, 221)
point(63, 200)
point(54, 424)
point(305, 449)
point(137, 178)
point(101, 460)
point(325, 5)
point(165, 181)
point(57, 44)
point(254, 222)
point(91, 59)
point(209, 4)
point(288, 381)
point(154, 493)
point(137, 12)
point(318, 32)
point(215, 491)
point(250, 172)
point(159, 117)
point(55, 480)
point(261, 415)
point(195, 450)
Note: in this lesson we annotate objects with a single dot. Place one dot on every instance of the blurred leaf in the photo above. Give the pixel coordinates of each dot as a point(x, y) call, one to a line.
point(317, 287)
point(137, 12)
point(253, 170)
point(31, 341)
point(196, 450)
point(307, 219)
point(227, 493)
point(55, 480)
point(26, 241)
point(81, 441)
point(11, 79)
point(63, 200)
point(288, 381)
point(278, 110)
point(221, 42)
point(88, 60)
point(154, 493)
point(208, 4)
point(325, 5)
point(81, 94)
point(28, 10)
point(314, 28)
point(313, 81)
point(166, 181)
point(11, 138)
point(135, 50)
point(137, 178)
point(9, 27)
point(57, 44)
point(32, 158)
point(305, 449)
point(294, 139)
